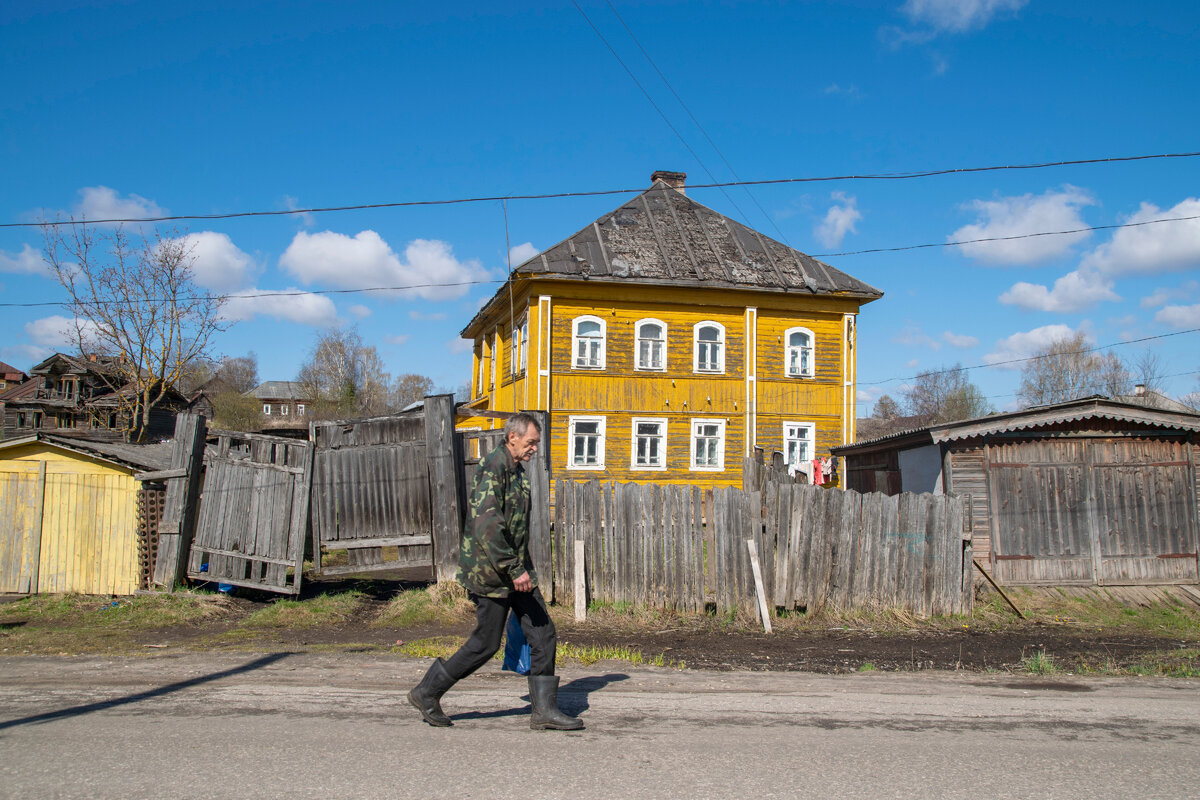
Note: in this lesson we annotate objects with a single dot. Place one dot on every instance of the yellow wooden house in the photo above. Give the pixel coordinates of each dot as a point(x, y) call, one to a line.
point(666, 341)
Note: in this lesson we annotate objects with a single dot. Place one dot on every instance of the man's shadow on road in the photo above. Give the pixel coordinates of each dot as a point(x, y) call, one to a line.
point(572, 698)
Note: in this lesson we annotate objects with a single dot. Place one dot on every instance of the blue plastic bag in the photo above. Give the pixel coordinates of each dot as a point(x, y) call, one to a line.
point(516, 649)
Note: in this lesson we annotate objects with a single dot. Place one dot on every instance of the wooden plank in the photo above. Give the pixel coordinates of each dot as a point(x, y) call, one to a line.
point(760, 590)
point(181, 506)
point(580, 583)
point(444, 475)
point(386, 541)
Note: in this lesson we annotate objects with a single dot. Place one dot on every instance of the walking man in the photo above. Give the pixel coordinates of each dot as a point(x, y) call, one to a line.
point(495, 567)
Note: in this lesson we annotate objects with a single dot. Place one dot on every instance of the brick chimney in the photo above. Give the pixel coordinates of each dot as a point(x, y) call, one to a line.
point(676, 180)
point(1139, 390)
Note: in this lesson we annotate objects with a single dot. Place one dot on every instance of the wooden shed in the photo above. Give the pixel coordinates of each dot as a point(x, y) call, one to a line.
point(1091, 491)
point(69, 514)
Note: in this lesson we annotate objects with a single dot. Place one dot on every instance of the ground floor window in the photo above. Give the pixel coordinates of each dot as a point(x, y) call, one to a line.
point(708, 444)
point(649, 448)
point(587, 443)
point(798, 443)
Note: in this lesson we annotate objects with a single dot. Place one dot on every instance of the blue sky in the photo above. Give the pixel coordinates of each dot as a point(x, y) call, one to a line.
point(141, 109)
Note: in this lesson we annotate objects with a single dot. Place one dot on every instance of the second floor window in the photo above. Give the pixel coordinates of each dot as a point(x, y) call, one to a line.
point(588, 343)
point(651, 344)
point(710, 347)
point(799, 352)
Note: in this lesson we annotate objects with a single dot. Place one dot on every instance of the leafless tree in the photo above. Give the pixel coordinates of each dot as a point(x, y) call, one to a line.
point(136, 302)
point(1148, 370)
point(344, 376)
point(241, 373)
point(1067, 369)
point(944, 395)
point(408, 389)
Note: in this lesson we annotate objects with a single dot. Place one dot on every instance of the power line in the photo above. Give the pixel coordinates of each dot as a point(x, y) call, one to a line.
point(480, 283)
point(596, 193)
point(1031, 358)
point(1005, 238)
point(650, 100)
point(696, 122)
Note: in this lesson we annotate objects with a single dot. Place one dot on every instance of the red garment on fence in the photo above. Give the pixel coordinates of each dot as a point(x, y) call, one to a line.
point(818, 475)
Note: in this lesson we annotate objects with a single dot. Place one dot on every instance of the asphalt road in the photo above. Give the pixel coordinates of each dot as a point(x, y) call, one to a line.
point(338, 726)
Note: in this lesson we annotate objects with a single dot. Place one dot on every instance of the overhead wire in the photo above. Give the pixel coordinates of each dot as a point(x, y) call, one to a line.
point(593, 193)
point(656, 107)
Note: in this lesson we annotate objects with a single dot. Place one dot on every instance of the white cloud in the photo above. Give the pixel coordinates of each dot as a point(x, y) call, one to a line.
point(1179, 317)
point(959, 340)
point(1023, 345)
point(911, 364)
point(57, 332)
point(460, 345)
point(292, 204)
point(913, 336)
point(304, 308)
point(839, 220)
point(957, 16)
point(1075, 291)
point(366, 261)
point(1021, 216)
point(868, 395)
point(29, 354)
point(850, 91)
point(1140, 249)
point(399, 338)
point(521, 253)
point(27, 262)
point(422, 317)
point(101, 202)
point(1162, 295)
point(359, 311)
point(218, 263)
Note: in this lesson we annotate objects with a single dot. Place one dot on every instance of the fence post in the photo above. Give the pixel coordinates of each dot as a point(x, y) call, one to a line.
point(540, 549)
point(178, 522)
point(444, 478)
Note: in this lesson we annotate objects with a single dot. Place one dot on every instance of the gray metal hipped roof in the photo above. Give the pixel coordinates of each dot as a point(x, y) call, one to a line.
point(1031, 419)
point(664, 237)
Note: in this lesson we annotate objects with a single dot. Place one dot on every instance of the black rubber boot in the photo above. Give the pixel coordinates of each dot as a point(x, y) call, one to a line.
point(543, 696)
point(426, 695)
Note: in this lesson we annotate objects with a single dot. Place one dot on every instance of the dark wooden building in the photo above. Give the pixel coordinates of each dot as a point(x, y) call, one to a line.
point(78, 396)
point(1091, 491)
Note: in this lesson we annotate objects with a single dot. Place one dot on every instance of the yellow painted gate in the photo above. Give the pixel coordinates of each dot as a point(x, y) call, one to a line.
point(66, 525)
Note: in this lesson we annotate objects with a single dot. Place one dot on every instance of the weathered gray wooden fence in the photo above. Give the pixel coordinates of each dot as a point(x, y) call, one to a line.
point(253, 515)
point(683, 547)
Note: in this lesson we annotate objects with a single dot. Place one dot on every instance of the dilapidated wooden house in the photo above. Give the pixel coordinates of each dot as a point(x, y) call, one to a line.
point(1091, 491)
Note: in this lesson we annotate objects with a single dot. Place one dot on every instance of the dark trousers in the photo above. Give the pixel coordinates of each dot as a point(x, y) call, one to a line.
point(491, 613)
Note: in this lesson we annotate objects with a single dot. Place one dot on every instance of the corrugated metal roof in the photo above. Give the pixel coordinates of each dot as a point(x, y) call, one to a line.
point(1032, 419)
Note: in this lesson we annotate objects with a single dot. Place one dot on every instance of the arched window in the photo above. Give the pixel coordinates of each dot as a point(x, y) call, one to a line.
point(588, 342)
point(651, 344)
point(798, 352)
point(709, 347)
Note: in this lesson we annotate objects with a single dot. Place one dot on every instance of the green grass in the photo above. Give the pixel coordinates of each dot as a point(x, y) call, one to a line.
point(313, 612)
point(439, 604)
point(1040, 663)
point(867, 666)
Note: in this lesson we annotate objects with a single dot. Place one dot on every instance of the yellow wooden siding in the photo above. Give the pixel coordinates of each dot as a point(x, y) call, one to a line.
point(619, 392)
point(20, 510)
point(89, 521)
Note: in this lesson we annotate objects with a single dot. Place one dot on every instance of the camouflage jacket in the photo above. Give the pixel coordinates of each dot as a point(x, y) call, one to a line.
point(495, 547)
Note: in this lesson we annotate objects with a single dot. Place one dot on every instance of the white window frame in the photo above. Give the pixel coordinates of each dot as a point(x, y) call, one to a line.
point(283, 410)
point(482, 367)
point(637, 344)
point(662, 446)
point(495, 358)
point(720, 369)
point(787, 353)
point(300, 409)
point(721, 429)
point(810, 428)
point(523, 353)
point(267, 409)
point(599, 465)
point(601, 355)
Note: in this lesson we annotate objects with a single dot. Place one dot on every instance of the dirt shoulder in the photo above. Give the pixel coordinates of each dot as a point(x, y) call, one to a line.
point(1075, 637)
